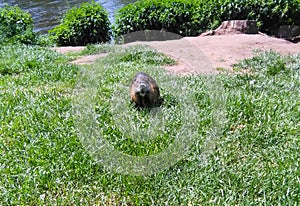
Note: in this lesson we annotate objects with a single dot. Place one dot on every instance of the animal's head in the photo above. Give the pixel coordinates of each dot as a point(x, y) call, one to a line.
point(142, 89)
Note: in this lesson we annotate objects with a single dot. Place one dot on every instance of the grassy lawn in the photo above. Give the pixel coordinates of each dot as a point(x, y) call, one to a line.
point(237, 135)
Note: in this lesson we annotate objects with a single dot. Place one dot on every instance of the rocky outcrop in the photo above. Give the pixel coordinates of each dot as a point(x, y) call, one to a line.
point(289, 32)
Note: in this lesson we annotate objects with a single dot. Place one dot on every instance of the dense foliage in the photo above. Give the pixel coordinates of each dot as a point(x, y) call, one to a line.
point(81, 26)
point(188, 18)
point(177, 16)
point(270, 14)
point(16, 25)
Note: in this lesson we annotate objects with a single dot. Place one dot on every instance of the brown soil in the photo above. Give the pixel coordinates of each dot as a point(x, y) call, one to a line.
point(68, 49)
point(205, 54)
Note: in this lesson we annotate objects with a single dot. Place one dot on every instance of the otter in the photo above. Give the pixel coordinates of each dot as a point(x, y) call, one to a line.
point(144, 91)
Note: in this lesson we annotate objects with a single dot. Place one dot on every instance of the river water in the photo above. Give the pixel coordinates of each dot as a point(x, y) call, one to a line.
point(48, 13)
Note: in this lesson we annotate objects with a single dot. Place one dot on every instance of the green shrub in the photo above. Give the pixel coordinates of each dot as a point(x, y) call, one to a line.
point(16, 25)
point(188, 18)
point(84, 25)
point(176, 16)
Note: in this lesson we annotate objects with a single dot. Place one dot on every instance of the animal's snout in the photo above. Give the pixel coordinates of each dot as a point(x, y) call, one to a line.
point(143, 89)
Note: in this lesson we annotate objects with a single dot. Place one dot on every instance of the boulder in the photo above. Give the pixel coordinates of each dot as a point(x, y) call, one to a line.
point(289, 32)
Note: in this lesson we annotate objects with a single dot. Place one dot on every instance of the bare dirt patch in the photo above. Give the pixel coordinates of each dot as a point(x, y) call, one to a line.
point(221, 51)
point(226, 50)
point(204, 54)
point(68, 49)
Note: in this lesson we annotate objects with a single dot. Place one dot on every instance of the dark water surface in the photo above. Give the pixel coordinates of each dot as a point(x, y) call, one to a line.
point(47, 13)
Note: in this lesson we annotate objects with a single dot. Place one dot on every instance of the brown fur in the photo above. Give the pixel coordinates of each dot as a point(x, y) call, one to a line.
point(144, 91)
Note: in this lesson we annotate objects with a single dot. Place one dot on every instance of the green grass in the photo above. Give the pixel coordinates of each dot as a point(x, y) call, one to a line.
point(253, 159)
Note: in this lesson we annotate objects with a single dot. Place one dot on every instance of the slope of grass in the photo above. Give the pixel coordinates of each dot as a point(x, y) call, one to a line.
point(255, 159)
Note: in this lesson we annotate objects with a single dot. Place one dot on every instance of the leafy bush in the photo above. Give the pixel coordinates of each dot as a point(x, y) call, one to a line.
point(84, 25)
point(16, 25)
point(177, 16)
point(188, 18)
